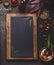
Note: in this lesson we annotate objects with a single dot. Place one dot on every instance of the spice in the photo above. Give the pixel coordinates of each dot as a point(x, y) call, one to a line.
point(41, 25)
point(22, 5)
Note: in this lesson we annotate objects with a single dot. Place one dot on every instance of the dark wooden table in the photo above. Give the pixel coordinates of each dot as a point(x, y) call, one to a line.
point(4, 61)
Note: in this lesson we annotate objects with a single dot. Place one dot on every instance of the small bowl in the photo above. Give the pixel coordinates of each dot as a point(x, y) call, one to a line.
point(44, 15)
point(6, 4)
point(13, 5)
point(46, 54)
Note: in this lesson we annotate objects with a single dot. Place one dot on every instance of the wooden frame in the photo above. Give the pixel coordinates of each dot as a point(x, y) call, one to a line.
point(8, 37)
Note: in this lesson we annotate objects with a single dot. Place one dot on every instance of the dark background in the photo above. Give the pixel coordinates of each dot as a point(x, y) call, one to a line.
point(3, 60)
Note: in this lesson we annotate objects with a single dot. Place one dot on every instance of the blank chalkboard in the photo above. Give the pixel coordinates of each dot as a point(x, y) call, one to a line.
point(21, 36)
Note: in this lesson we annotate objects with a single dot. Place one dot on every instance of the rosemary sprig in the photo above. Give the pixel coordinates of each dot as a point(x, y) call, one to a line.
point(14, 51)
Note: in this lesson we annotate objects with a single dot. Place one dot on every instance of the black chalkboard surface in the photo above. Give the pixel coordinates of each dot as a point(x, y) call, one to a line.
point(21, 38)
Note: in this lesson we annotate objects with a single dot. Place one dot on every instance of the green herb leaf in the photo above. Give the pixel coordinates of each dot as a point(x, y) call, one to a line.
point(13, 50)
point(49, 41)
